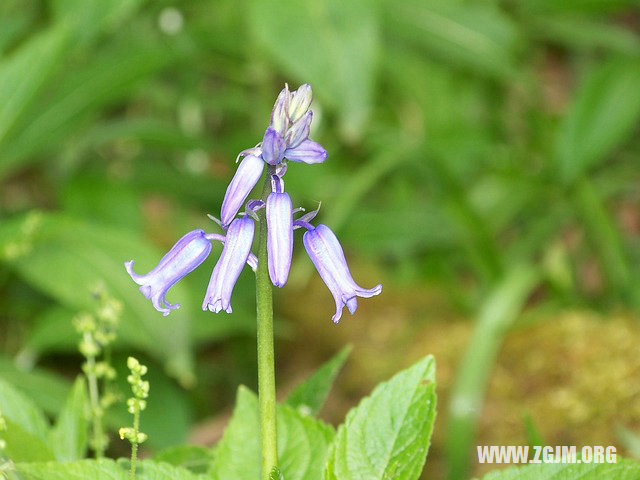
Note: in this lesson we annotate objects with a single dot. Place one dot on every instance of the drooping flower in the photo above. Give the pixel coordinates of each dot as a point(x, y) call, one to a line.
point(189, 252)
point(279, 236)
point(247, 175)
point(236, 251)
point(328, 257)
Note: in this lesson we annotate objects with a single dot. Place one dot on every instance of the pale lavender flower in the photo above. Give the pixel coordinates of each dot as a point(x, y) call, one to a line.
point(299, 131)
point(279, 236)
point(189, 252)
point(328, 257)
point(307, 152)
point(273, 147)
point(247, 175)
point(236, 251)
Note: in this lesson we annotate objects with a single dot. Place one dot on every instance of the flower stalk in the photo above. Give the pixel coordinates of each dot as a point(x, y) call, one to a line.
point(266, 368)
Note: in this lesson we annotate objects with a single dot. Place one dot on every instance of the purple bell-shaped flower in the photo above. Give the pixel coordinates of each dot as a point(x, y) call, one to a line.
point(328, 257)
point(189, 252)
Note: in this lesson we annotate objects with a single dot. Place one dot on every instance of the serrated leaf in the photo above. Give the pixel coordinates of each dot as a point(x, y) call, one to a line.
point(69, 436)
point(332, 44)
point(387, 435)
point(310, 395)
point(302, 443)
point(622, 470)
point(105, 469)
point(603, 114)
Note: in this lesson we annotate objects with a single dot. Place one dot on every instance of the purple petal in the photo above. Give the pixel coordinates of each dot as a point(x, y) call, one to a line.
point(236, 251)
point(279, 237)
point(188, 252)
point(273, 147)
point(279, 115)
point(300, 102)
point(247, 175)
point(328, 257)
point(307, 152)
point(299, 131)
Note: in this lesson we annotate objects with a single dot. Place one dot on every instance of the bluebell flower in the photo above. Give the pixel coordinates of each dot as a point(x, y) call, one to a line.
point(273, 147)
point(236, 251)
point(189, 252)
point(280, 113)
point(328, 257)
point(247, 175)
point(279, 236)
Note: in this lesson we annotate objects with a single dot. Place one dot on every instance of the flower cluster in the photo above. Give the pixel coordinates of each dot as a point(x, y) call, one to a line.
point(286, 139)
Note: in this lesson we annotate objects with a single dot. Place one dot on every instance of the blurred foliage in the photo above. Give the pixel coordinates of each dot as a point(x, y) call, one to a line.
point(470, 141)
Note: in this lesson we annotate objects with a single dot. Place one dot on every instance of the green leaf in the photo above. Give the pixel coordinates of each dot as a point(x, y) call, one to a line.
point(622, 470)
point(310, 395)
point(67, 258)
point(104, 469)
point(18, 408)
point(195, 458)
point(496, 315)
point(25, 72)
point(276, 474)
point(69, 436)
point(387, 435)
point(24, 446)
point(604, 113)
point(80, 94)
point(472, 35)
point(332, 44)
point(48, 390)
point(302, 443)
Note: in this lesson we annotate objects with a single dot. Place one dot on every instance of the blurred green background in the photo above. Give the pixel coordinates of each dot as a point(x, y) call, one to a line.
point(483, 166)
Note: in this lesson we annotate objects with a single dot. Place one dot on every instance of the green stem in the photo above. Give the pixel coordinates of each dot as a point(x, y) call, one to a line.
point(96, 409)
point(266, 370)
point(134, 444)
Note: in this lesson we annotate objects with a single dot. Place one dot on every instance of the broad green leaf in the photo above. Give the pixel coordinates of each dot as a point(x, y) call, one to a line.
point(69, 435)
point(66, 258)
point(105, 469)
point(331, 44)
point(48, 390)
point(302, 443)
point(387, 435)
point(604, 113)
point(18, 408)
point(24, 73)
point(195, 458)
point(310, 395)
point(52, 331)
point(24, 446)
point(621, 470)
point(472, 35)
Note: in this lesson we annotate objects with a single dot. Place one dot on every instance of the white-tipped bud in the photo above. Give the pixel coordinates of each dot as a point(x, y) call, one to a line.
point(300, 102)
point(279, 114)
